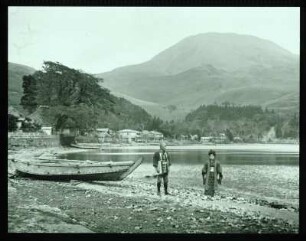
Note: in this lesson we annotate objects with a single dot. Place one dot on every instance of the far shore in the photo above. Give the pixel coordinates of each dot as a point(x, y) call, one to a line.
point(279, 148)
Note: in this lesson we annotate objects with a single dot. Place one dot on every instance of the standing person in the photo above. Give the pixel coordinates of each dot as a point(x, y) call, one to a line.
point(161, 162)
point(212, 174)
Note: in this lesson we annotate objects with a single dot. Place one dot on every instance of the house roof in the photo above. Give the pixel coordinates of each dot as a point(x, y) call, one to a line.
point(13, 111)
point(156, 133)
point(37, 117)
point(128, 130)
point(102, 129)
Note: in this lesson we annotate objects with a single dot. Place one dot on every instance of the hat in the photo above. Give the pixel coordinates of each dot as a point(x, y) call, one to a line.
point(162, 145)
point(212, 152)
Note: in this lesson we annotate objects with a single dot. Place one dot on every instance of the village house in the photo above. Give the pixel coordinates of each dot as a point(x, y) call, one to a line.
point(47, 130)
point(194, 137)
point(156, 136)
point(104, 134)
point(207, 139)
point(144, 136)
point(13, 112)
point(221, 138)
point(237, 139)
point(128, 135)
point(150, 136)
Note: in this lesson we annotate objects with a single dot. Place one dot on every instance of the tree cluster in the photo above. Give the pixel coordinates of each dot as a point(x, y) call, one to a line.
point(76, 100)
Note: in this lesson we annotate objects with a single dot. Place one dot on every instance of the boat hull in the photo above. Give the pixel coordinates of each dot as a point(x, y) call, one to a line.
point(111, 176)
point(86, 145)
point(54, 170)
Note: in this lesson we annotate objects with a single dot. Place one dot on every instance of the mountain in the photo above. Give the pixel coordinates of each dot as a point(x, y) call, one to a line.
point(210, 68)
point(15, 90)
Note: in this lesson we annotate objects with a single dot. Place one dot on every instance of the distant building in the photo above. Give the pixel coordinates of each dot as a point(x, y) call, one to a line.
point(47, 130)
point(19, 122)
point(221, 138)
point(194, 137)
point(104, 131)
point(237, 139)
point(20, 118)
point(207, 139)
point(144, 136)
point(104, 134)
point(156, 136)
point(270, 135)
point(128, 135)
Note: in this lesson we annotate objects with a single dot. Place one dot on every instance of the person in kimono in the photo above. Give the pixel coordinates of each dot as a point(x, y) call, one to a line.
point(162, 163)
point(212, 174)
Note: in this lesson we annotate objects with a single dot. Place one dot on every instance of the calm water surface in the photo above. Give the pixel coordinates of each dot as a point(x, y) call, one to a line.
point(259, 173)
point(226, 157)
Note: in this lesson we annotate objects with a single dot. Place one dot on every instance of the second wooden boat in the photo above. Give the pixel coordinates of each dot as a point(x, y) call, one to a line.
point(87, 145)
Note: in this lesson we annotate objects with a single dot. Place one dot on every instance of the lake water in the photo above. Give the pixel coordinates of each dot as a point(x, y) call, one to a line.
point(260, 173)
point(226, 157)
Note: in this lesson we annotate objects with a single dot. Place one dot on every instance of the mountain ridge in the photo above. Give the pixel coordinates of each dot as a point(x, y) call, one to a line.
point(200, 69)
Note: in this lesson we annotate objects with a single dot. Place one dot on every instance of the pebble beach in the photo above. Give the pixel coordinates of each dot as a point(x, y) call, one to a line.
point(132, 206)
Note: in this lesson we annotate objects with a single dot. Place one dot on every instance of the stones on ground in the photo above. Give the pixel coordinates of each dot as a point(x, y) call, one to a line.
point(138, 210)
point(138, 227)
point(153, 209)
point(160, 219)
point(201, 220)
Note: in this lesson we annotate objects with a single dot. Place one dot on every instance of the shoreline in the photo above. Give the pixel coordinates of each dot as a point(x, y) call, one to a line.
point(132, 206)
point(272, 148)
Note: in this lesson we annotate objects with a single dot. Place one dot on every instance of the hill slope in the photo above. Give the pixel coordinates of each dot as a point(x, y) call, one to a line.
point(15, 90)
point(208, 68)
point(72, 95)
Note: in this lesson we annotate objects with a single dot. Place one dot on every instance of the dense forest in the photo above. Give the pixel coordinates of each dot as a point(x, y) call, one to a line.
point(73, 99)
point(251, 123)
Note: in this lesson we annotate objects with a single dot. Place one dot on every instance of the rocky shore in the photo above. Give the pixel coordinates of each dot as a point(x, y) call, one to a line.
point(132, 206)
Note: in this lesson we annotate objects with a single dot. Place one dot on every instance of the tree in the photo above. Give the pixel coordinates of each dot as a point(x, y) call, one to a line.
point(278, 131)
point(72, 94)
point(229, 135)
point(29, 98)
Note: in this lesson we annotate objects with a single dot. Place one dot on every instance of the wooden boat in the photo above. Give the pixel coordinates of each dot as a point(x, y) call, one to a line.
point(64, 169)
point(87, 145)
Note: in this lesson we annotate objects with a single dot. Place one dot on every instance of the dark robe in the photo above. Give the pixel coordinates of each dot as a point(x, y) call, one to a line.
point(213, 172)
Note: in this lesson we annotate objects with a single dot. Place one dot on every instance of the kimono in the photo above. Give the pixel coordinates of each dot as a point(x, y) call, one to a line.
point(212, 172)
point(162, 162)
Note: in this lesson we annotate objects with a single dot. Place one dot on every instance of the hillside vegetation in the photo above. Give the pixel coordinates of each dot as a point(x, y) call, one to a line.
point(15, 90)
point(72, 99)
point(211, 68)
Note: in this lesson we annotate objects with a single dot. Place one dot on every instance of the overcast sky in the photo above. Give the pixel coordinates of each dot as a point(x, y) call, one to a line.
point(103, 38)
